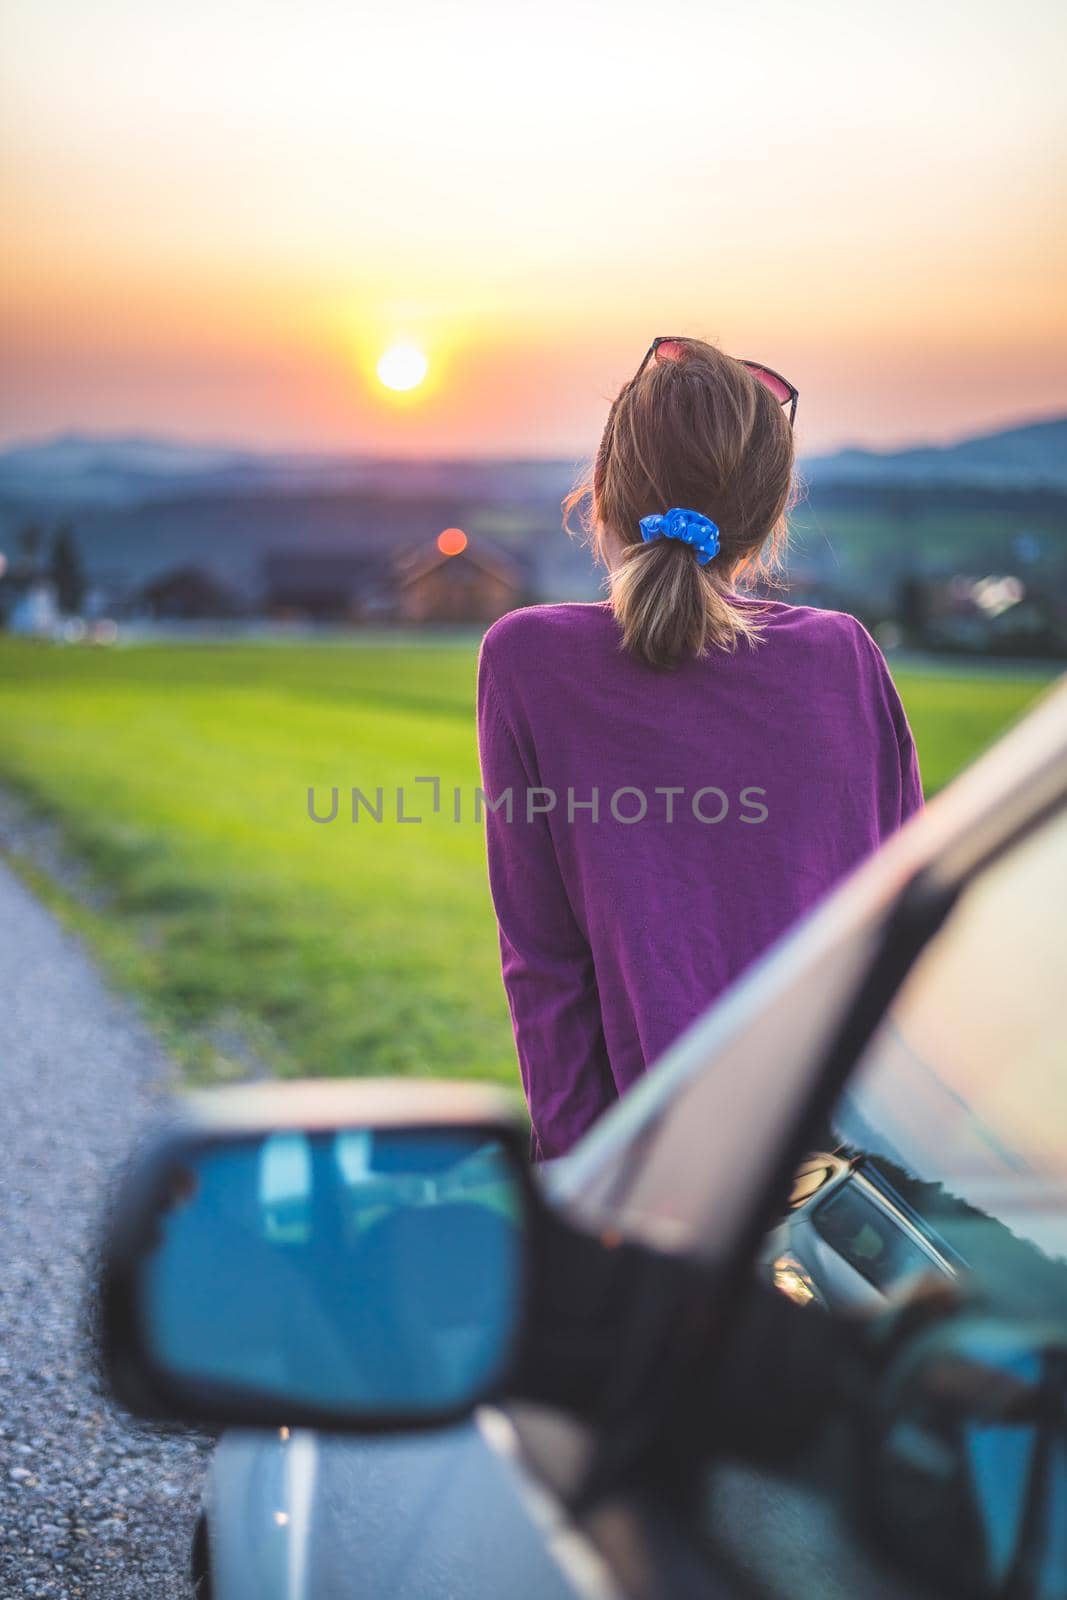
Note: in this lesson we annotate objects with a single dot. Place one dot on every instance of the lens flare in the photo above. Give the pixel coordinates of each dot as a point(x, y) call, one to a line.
point(452, 541)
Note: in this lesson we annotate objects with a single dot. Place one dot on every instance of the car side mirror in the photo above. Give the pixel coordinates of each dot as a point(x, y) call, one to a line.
point(347, 1255)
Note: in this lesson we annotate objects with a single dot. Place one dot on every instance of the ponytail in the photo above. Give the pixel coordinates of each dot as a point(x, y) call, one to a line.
point(670, 608)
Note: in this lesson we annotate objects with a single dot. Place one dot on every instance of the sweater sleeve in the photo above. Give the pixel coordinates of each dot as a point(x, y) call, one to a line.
point(546, 962)
point(911, 786)
point(911, 778)
point(901, 785)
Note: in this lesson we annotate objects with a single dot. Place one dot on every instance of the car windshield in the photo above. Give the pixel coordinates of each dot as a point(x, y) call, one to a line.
point(960, 1105)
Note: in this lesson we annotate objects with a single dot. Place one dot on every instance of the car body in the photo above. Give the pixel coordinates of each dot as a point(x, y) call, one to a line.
point(848, 1240)
point(910, 1033)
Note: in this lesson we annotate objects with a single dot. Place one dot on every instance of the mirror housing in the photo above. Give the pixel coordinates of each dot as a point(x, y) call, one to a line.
point(347, 1255)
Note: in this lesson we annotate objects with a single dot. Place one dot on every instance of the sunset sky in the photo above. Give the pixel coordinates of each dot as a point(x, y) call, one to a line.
point(218, 216)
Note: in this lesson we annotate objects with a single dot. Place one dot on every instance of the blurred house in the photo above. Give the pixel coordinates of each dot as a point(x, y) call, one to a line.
point(186, 592)
point(472, 583)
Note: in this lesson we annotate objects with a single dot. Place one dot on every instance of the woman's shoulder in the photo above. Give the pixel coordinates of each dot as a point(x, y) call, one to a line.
point(518, 635)
point(814, 626)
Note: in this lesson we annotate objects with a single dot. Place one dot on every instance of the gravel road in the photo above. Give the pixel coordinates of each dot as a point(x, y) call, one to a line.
point(91, 1504)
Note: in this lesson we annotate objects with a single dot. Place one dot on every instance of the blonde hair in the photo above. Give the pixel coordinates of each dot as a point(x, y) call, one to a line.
point(700, 431)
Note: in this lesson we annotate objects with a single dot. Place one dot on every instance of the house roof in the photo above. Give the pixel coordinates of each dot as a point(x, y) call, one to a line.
point(418, 563)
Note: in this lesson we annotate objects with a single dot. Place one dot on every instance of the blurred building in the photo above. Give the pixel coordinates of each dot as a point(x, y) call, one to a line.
point(427, 584)
point(471, 584)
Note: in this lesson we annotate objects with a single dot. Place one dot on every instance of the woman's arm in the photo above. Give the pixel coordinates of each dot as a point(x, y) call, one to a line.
point(911, 784)
point(900, 781)
point(912, 796)
point(547, 965)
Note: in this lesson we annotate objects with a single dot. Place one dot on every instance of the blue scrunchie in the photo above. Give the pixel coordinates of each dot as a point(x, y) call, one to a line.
point(688, 526)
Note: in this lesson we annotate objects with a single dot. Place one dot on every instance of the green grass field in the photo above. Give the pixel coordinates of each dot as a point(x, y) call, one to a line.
point(178, 776)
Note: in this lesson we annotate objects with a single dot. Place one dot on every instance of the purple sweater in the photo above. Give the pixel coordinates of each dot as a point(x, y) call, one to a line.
point(663, 829)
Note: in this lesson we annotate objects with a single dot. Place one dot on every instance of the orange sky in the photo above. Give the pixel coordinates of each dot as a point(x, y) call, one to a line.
point(216, 216)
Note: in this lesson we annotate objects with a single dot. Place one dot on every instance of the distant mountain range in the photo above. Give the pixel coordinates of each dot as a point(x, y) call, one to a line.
point(1029, 457)
point(78, 471)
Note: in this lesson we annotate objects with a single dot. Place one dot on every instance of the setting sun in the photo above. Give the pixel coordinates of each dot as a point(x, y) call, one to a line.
point(403, 366)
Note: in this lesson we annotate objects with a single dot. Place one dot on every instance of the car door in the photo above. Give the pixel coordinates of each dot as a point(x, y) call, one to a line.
point(915, 1029)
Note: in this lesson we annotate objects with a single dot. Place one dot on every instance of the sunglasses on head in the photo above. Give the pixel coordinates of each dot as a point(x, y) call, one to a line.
point(667, 348)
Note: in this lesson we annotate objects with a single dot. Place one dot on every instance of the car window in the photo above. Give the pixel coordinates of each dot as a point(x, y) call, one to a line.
point(960, 1104)
point(869, 1238)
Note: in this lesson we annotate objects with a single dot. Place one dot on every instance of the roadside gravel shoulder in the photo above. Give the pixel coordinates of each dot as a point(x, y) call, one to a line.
point(92, 1505)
